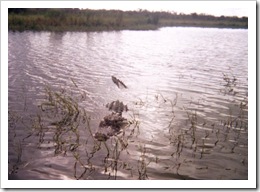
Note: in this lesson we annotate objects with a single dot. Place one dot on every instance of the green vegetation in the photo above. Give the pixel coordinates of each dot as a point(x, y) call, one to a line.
point(46, 19)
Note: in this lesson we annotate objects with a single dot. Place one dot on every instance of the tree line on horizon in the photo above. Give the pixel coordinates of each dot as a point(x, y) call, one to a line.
point(74, 19)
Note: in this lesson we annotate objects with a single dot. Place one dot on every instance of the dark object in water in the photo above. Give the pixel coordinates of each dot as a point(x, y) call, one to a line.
point(118, 82)
point(117, 106)
point(110, 126)
point(101, 136)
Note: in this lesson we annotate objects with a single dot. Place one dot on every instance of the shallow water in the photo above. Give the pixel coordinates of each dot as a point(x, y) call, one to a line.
point(186, 93)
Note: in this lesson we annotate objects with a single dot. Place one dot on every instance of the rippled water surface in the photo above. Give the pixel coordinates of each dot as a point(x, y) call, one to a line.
point(186, 94)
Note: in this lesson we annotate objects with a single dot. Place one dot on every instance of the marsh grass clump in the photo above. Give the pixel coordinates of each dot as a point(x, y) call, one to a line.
point(66, 118)
point(72, 136)
point(16, 145)
point(200, 137)
point(143, 164)
point(230, 84)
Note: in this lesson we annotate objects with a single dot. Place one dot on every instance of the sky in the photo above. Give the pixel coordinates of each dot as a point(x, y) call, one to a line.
point(216, 8)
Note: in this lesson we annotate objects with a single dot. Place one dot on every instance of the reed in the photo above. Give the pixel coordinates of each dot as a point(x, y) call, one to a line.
point(16, 145)
point(201, 136)
point(70, 130)
point(142, 164)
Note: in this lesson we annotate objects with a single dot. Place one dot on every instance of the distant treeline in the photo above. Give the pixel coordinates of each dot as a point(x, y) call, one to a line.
point(50, 19)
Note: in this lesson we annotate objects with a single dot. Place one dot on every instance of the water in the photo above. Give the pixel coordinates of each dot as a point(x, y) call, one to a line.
point(187, 93)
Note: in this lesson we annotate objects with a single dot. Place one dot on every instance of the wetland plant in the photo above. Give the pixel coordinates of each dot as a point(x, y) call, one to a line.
point(65, 126)
point(65, 120)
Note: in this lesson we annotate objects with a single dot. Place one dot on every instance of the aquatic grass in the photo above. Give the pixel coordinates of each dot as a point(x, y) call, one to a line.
point(173, 104)
point(66, 117)
point(193, 122)
point(65, 123)
point(69, 127)
point(18, 149)
point(38, 129)
point(116, 151)
point(16, 146)
point(142, 164)
point(133, 127)
point(230, 84)
point(224, 134)
point(117, 145)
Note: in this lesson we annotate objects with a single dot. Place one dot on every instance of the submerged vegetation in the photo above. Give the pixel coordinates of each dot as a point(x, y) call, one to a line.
point(50, 19)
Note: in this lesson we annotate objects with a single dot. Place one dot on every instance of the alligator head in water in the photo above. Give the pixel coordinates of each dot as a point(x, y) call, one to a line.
point(117, 106)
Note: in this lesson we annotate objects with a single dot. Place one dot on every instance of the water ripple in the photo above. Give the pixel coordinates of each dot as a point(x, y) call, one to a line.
point(157, 66)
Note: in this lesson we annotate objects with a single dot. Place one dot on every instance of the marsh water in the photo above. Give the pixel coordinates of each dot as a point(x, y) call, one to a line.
point(186, 94)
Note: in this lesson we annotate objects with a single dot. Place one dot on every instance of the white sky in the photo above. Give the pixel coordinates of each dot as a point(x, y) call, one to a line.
point(217, 8)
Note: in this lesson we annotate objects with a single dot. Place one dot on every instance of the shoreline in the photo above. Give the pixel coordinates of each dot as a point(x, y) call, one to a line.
point(138, 28)
point(68, 20)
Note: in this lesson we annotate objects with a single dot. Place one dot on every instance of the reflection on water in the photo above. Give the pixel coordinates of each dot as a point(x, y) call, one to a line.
point(186, 94)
